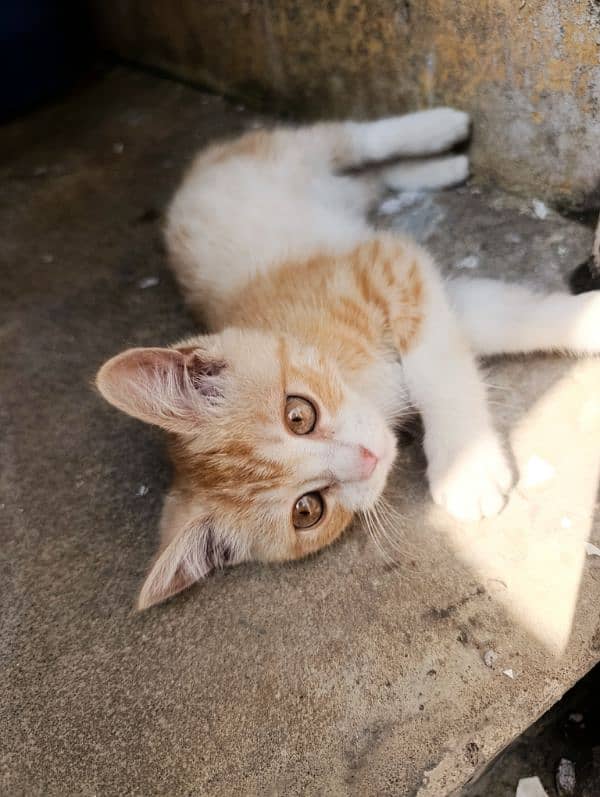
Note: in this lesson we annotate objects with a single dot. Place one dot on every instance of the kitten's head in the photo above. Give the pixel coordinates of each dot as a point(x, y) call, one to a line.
point(273, 452)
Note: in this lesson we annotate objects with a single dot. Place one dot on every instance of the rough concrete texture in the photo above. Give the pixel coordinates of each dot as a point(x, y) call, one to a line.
point(529, 72)
point(570, 730)
point(339, 675)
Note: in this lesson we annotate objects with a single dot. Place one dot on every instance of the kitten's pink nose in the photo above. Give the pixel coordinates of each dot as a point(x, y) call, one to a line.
point(368, 461)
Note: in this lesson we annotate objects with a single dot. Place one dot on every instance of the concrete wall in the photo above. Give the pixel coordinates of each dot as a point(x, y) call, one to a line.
point(528, 70)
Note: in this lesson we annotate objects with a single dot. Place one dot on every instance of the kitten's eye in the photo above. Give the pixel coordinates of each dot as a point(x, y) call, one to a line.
point(308, 510)
point(300, 415)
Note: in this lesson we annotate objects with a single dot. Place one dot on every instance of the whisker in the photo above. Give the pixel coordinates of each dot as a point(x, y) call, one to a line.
point(380, 521)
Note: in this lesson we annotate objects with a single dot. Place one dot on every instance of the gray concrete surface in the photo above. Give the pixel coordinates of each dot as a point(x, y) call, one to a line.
point(569, 730)
point(528, 72)
point(340, 675)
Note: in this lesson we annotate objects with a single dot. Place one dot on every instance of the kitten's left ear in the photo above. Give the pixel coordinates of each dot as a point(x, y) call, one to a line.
point(196, 551)
point(172, 388)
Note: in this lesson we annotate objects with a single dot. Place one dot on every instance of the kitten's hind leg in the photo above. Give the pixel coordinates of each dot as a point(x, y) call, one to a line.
point(417, 134)
point(502, 318)
point(426, 174)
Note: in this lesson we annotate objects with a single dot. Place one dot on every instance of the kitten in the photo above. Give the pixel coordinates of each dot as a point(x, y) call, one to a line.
point(323, 332)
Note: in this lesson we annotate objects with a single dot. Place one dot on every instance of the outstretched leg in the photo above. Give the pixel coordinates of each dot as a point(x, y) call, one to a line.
point(467, 469)
point(501, 318)
point(348, 145)
point(428, 174)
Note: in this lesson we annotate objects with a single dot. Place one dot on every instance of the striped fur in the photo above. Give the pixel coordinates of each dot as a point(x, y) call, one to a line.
point(269, 241)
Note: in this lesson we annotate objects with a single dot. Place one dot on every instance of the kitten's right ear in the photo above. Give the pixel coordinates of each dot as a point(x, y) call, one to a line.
point(171, 388)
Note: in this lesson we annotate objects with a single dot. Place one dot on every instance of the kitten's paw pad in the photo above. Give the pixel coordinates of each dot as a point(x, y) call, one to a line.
point(443, 128)
point(475, 485)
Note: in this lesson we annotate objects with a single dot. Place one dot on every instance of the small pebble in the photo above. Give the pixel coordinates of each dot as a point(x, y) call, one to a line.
point(395, 204)
point(513, 238)
point(540, 210)
point(591, 549)
point(118, 147)
point(471, 261)
point(148, 282)
point(489, 658)
point(530, 787)
point(562, 250)
point(47, 258)
point(143, 490)
point(510, 673)
point(565, 778)
point(576, 717)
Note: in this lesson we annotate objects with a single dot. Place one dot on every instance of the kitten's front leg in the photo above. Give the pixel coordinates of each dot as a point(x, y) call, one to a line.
point(467, 469)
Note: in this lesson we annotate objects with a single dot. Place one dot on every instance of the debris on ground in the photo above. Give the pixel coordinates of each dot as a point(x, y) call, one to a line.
point(489, 658)
point(471, 261)
point(397, 203)
point(143, 490)
point(513, 238)
point(510, 673)
point(118, 147)
point(591, 549)
point(537, 471)
point(565, 778)
point(530, 787)
point(148, 282)
point(47, 258)
point(540, 209)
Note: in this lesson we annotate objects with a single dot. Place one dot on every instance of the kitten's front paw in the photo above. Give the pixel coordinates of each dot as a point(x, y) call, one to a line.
point(475, 483)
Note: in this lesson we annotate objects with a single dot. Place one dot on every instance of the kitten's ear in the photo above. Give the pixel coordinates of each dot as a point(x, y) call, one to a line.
point(194, 553)
point(166, 387)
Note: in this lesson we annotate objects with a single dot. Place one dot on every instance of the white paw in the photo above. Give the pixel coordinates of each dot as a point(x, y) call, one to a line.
point(442, 128)
point(427, 174)
point(473, 484)
point(455, 170)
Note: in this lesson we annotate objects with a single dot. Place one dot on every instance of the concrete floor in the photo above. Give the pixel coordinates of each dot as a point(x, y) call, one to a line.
point(569, 730)
point(340, 675)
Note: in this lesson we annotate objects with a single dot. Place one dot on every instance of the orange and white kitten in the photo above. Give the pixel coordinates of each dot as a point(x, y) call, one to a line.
point(323, 332)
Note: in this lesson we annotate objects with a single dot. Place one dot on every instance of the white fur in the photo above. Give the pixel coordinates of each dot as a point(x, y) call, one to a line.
point(429, 173)
point(244, 215)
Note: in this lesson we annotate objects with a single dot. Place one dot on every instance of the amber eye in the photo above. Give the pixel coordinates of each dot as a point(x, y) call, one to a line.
point(300, 415)
point(308, 510)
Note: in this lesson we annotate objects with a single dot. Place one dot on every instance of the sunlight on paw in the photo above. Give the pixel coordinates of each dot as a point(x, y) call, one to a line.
point(538, 546)
point(475, 485)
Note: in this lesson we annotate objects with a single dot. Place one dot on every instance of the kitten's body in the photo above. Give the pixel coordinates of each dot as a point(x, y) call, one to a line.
point(270, 241)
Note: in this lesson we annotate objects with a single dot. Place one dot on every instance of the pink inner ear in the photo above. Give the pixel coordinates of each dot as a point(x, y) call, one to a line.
point(163, 386)
point(202, 371)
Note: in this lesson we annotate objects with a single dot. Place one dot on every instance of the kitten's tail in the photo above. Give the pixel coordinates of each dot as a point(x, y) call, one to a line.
point(501, 318)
